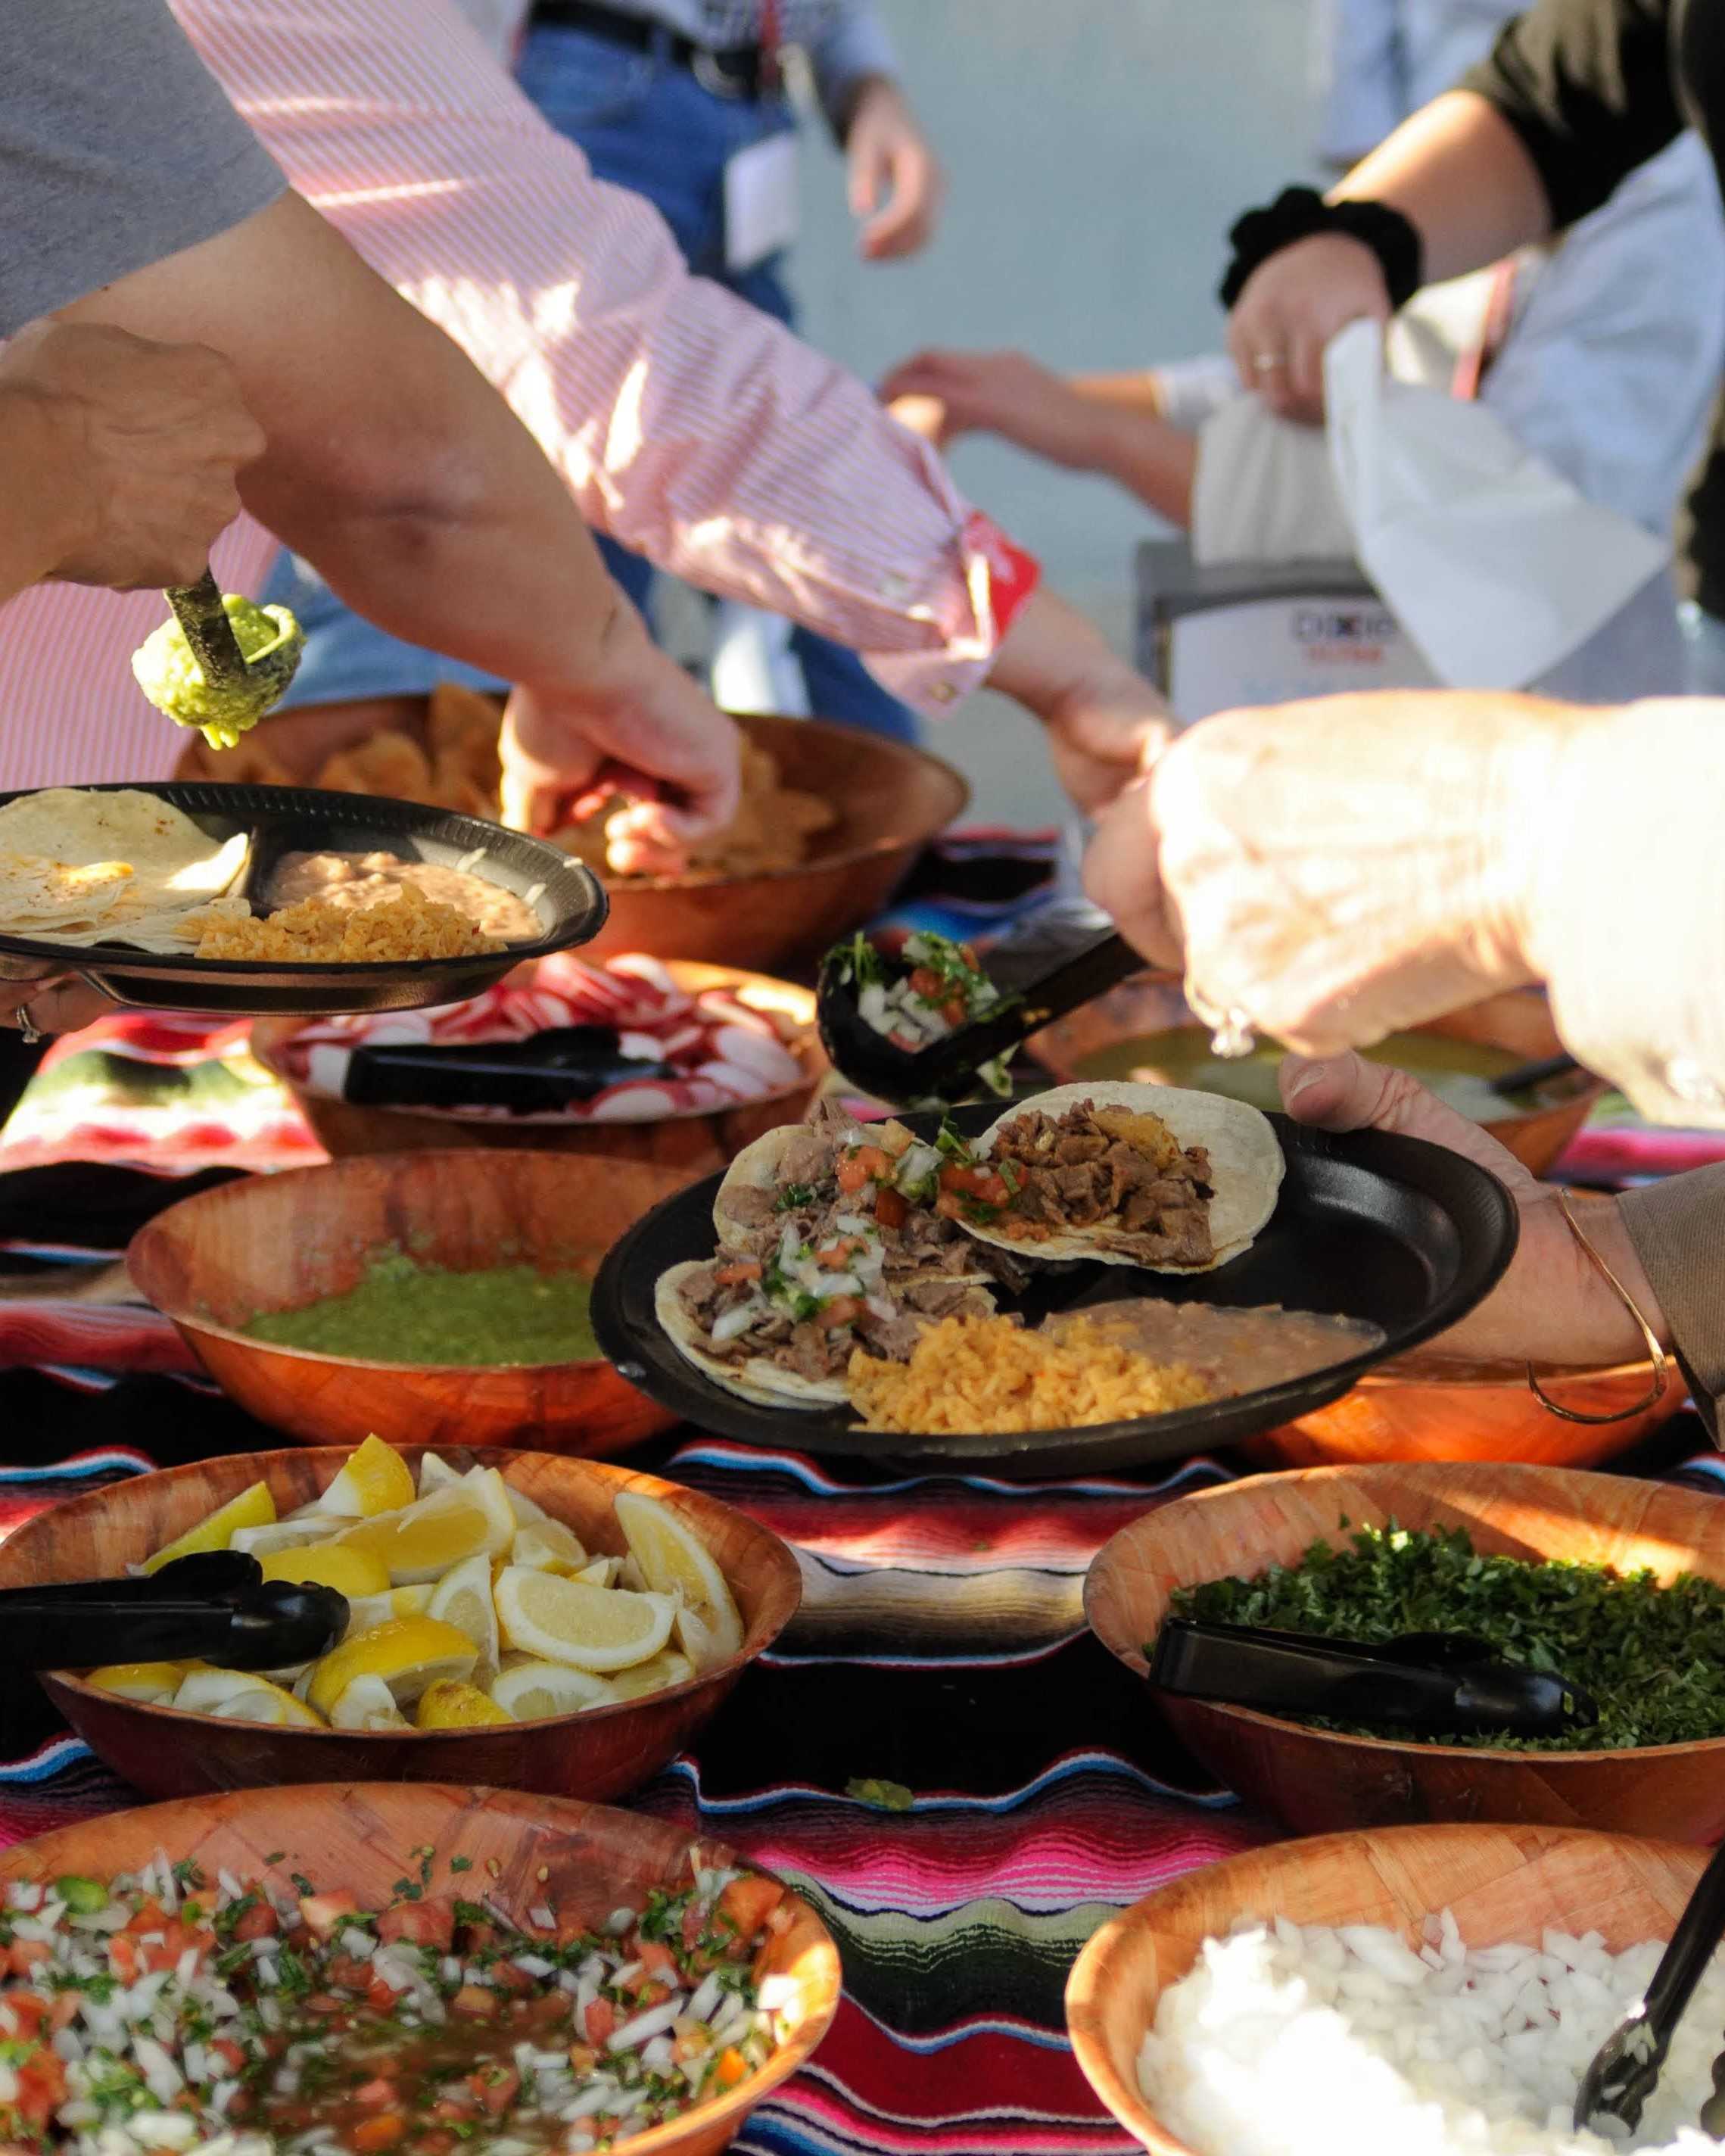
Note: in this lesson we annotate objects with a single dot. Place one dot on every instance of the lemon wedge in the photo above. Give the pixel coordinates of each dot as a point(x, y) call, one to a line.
point(664, 1669)
point(546, 1546)
point(366, 1612)
point(421, 1542)
point(492, 1491)
point(252, 1508)
point(436, 1473)
point(280, 1535)
point(220, 1692)
point(529, 1690)
point(674, 1560)
point(408, 1653)
point(452, 1705)
point(373, 1480)
point(367, 1703)
point(155, 1683)
point(594, 1628)
point(601, 1571)
point(463, 1598)
point(354, 1573)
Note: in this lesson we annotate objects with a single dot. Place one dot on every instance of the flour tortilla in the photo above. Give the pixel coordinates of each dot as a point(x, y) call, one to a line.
point(83, 868)
point(757, 1380)
point(1247, 1168)
point(755, 1167)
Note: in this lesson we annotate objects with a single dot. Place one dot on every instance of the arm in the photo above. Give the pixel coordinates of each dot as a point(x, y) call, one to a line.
point(396, 469)
point(893, 177)
point(686, 424)
point(1109, 425)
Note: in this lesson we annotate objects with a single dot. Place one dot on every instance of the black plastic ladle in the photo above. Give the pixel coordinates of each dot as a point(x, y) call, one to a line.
point(214, 1606)
point(1626, 2066)
point(1063, 957)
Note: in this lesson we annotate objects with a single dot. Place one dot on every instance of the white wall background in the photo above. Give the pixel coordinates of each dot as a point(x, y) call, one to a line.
point(1096, 151)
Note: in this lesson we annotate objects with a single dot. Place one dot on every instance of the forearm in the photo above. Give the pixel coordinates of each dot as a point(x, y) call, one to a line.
point(37, 512)
point(1460, 172)
point(392, 464)
point(1148, 455)
point(685, 423)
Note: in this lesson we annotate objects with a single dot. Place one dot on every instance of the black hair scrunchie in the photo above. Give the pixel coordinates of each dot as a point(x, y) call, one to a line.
point(1299, 213)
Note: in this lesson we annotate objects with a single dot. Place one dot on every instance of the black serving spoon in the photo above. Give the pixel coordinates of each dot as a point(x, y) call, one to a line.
point(1626, 2066)
point(215, 1606)
point(1439, 1683)
point(1064, 955)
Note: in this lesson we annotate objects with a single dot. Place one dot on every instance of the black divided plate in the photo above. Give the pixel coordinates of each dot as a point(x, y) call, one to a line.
point(1407, 1235)
point(569, 898)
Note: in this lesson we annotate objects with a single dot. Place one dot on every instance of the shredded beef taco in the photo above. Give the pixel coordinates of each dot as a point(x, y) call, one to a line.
point(828, 1243)
point(1154, 1176)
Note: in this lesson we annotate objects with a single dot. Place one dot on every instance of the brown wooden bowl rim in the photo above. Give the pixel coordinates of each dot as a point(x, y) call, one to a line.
point(904, 752)
point(466, 1156)
point(1388, 1376)
point(1492, 1757)
point(1124, 2100)
point(786, 2059)
point(269, 1054)
point(784, 1570)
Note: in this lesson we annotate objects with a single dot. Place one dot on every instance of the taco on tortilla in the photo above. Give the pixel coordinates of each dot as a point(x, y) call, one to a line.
point(1154, 1176)
point(828, 1242)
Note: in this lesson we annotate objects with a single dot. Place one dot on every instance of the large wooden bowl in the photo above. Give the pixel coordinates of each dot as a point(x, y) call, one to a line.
point(1502, 1883)
point(1314, 1779)
point(583, 1859)
point(604, 1752)
point(1519, 1021)
point(277, 1242)
point(891, 799)
point(694, 1145)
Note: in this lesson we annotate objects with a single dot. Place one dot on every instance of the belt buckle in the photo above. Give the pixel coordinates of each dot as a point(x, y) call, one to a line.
point(710, 73)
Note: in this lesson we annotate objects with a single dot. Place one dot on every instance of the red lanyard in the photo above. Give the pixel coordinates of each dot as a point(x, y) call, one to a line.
point(769, 45)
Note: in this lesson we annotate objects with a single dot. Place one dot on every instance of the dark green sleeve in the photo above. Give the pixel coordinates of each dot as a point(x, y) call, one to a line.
point(1589, 87)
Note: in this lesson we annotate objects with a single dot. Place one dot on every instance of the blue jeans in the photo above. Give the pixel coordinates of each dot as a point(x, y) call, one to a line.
point(646, 123)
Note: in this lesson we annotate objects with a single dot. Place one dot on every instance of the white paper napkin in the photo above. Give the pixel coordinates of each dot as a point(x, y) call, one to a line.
point(1497, 567)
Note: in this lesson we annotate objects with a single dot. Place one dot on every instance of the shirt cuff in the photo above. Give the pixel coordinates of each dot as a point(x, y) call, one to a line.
point(999, 577)
point(1678, 1229)
point(856, 45)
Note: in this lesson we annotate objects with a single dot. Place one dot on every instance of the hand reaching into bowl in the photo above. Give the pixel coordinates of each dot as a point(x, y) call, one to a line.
point(1551, 1306)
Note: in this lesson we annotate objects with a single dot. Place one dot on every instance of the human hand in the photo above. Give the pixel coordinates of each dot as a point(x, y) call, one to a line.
point(36, 1000)
point(895, 183)
point(1551, 1306)
point(996, 392)
point(1337, 870)
point(1107, 725)
point(1292, 306)
point(635, 724)
point(145, 440)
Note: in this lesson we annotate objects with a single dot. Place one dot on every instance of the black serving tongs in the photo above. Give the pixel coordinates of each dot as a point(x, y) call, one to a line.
point(215, 1606)
point(1064, 955)
point(1442, 1683)
point(1627, 2065)
point(545, 1072)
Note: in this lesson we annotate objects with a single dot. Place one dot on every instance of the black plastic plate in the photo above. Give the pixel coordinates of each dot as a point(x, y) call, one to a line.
point(1407, 1235)
point(569, 898)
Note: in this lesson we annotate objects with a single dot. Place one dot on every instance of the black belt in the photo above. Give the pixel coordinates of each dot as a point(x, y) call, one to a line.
point(731, 71)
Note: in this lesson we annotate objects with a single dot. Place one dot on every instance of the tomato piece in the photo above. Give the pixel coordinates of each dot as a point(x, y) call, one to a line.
point(382, 2131)
point(325, 1914)
point(437, 2143)
point(954, 1011)
point(451, 2106)
point(474, 2003)
point(600, 2022)
point(925, 981)
point(421, 1924)
point(732, 2068)
point(747, 1902)
point(986, 1184)
point(348, 1973)
point(511, 1979)
point(227, 2051)
point(496, 2088)
point(64, 2012)
point(851, 1175)
point(840, 1311)
point(380, 1995)
point(657, 1959)
point(259, 1922)
point(375, 2094)
point(875, 1162)
point(25, 1953)
point(739, 1269)
point(892, 1208)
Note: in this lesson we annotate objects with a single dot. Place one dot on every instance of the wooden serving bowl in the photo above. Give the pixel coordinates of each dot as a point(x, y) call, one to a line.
point(1519, 1021)
point(1314, 1779)
point(1502, 1883)
point(583, 1859)
point(694, 1145)
point(605, 1751)
point(891, 799)
point(277, 1242)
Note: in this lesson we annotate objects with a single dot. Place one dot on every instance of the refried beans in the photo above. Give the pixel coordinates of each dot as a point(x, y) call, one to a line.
point(356, 880)
point(1232, 1351)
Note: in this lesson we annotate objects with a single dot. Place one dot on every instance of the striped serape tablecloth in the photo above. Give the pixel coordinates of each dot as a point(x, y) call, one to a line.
point(941, 1646)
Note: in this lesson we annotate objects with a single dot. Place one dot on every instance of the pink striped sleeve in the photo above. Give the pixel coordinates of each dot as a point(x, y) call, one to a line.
point(687, 424)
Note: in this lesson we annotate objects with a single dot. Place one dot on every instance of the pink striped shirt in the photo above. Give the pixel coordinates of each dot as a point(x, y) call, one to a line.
point(685, 423)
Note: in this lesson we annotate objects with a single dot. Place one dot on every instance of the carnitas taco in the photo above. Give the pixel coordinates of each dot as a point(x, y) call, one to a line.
point(829, 1242)
point(1153, 1176)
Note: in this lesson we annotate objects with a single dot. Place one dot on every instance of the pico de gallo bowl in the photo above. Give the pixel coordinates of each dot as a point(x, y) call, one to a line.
point(185, 2005)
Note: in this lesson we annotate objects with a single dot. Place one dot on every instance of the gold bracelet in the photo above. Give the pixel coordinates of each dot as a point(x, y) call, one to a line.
point(1661, 1371)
